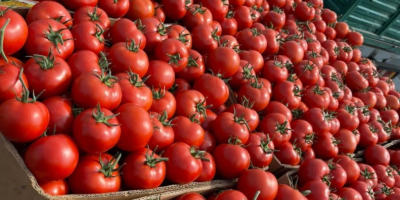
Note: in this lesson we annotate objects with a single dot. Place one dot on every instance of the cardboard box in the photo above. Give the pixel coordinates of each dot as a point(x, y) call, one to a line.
point(279, 169)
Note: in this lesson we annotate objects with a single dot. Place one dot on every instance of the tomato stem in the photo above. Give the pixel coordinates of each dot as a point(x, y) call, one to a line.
point(192, 62)
point(45, 62)
point(103, 61)
point(94, 16)
point(151, 161)
point(109, 168)
point(101, 118)
point(2, 31)
point(256, 195)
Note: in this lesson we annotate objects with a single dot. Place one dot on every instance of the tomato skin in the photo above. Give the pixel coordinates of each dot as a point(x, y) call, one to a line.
point(243, 17)
point(204, 38)
point(88, 37)
point(140, 9)
point(237, 128)
point(316, 97)
point(163, 134)
point(302, 134)
point(36, 120)
point(272, 43)
point(226, 166)
point(304, 12)
point(288, 154)
point(49, 10)
point(349, 193)
point(244, 74)
point(260, 149)
point(55, 188)
point(114, 9)
point(318, 119)
point(287, 192)
point(390, 116)
point(254, 180)
point(293, 51)
point(134, 90)
point(287, 93)
point(209, 143)
point(173, 47)
point(319, 190)
point(368, 175)
point(53, 79)
point(16, 31)
point(275, 18)
point(355, 38)
point(278, 107)
point(217, 62)
point(257, 91)
point(136, 127)
point(229, 25)
point(231, 195)
point(254, 58)
point(364, 189)
point(250, 115)
point(183, 166)
point(174, 10)
point(325, 146)
point(36, 36)
point(384, 175)
point(187, 131)
point(209, 169)
point(218, 8)
point(275, 71)
point(61, 115)
point(277, 126)
point(56, 147)
point(307, 71)
point(128, 58)
point(138, 174)
point(196, 15)
point(377, 155)
point(163, 101)
point(161, 74)
point(10, 85)
point(75, 4)
point(191, 196)
point(84, 14)
point(217, 95)
point(392, 102)
point(124, 29)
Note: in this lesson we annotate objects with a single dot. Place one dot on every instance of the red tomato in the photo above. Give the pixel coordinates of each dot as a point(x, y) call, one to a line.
point(175, 10)
point(140, 9)
point(275, 18)
point(238, 128)
point(316, 97)
point(364, 189)
point(181, 33)
point(257, 90)
point(218, 64)
point(163, 101)
point(16, 31)
point(319, 190)
point(252, 39)
point(231, 160)
point(136, 127)
point(288, 154)
point(134, 90)
point(293, 51)
point(96, 130)
point(275, 71)
point(209, 168)
point(287, 192)
point(92, 14)
point(209, 143)
point(348, 118)
point(218, 8)
point(254, 180)
point(231, 195)
point(191, 196)
point(174, 52)
point(75, 4)
point(349, 193)
point(277, 126)
point(61, 114)
point(272, 41)
point(368, 175)
point(163, 134)
point(124, 29)
point(338, 175)
point(302, 134)
point(10, 84)
point(115, 9)
point(209, 119)
point(278, 107)
point(385, 175)
point(184, 164)
point(188, 131)
point(143, 169)
point(229, 24)
point(56, 38)
point(244, 74)
point(205, 38)
point(243, 17)
point(40, 155)
point(216, 95)
point(85, 61)
point(377, 155)
point(260, 149)
point(88, 36)
point(49, 10)
point(326, 146)
point(55, 188)
point(307, 71)
point(355, 38)
point(160, 74)
point(196, 15)
point(319, 119)
point(254, 58)
point(305, 11)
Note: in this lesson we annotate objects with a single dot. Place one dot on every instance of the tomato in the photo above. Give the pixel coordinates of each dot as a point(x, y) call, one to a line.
point(163, 100)
point(348, 117)
point(316, 97)
point(257, 90)
point(252, 39)
point(392, 102)
point(355, 39)
point(160, 74)
point(115, 9)
point(56, 38)
point(260, 149)
point(368, 135)
point(326, 146)
point(314, 169)
point(216, 95)
point(188, 131)
point(275, 18)
point(218, 8)
point(349, 193)
point(209, 168)
point(249, 115)
point(204, 38)
point(364, 189)
point(277, 126)
point(231, 160)
point(88, 36)
point(175, 10)
point(338, 175)
point(385, 175)
point(196, 15)
point(369, 98)
point(49, 10)
point(16, 30)
point(10, 84)
point(217, 63)
point(390, 116)
point(304, 11)
point(238, 127)
point(209, 143)
point(368, 175)
point(287, 93)
point(229, 24)
point(231, 195)
point(277, 107)
point(140, 9)
point(92, 14)
point(319, 119)
point(209, 119)
point(381, 102)
point(377, 154)
point(191, 196)
point(244, 74)
point(254, 180)
point(96, 130)
point(307, 72)
point(254, 58)
point(53, 147)
point(184, 164)
point(272, 41)
point(134, 90)
point(163, 134)
point(243, 17)
point(136, 127)
point(287, 192)
point(293, 51)
point(61, 114)
point(174, 52)
point(288, 154)
point(75, 4)
point(124, 29)
point(393, 196)
point(275, 71)
point(55, 188)
point(319, 190)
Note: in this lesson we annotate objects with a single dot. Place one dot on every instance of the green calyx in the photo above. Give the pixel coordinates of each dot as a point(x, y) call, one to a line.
point(297, 114)
point(99, 33)
point(158, 94)
point(131, 46)
point(183, 37)
point(282, 128)
point(134, 79)
point(45, 62)
point(101, 118)
point(256, 195)
point(215, 36)
point(163, 118)
point(151, 161)
point(2, 31)
point(109, 168)
point(198, 9)
point(25, 92)
point(93, 15)
point(317, 90)
point(264, 145)
point(230, 14)
point(198, 154)
point(255, 32)
point(247, 69)
point(56, 37)
point(367, 175)
point(372, 128)
point(174, 59)
point(255, 83)
point(246, 102)
point(161, 29)
point(309, 138)
point(240, 120)
point(192, 62)
point(107, 79)
point(103, 62)
point(297, 91)
point(201, 107)
point(350, 109)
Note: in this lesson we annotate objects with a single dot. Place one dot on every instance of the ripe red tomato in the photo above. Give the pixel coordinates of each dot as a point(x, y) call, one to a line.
point(196, 15)
point(293, 51)
point(75, 4)
point(61, 114)
point(355, 38)
point(319, 190)
point(288, 93)
point(115, 9)
point(127, 56)
point(385, 175)
point(56, 38)
point(143, 169)
point(326, 146)
point(184, 164)
point(175, 10)
point(238, 128)
point(218, 64)
point(277, 126)
point(272, 41)
point(229, 24)
point(10, 85)
point(275, 18)
point(316, 97)
point(277, 107)
point(307, 72)
point(216, 95)
point(40, 155)
point(231, 160)
point(49, 74)
point(16, 30)
point(96, 130)
point(254, 180)
point(254, 58)
point(163, 100)
point(257, 90)
point(260, 149)
point(188, 131)
point(205, 38)
point(218, 8)
point(244, 74)
point(364, 189)
point(55, 188)
point(191, 196)
point(231, 195)
point(209, 143)
point(305, 11)
point(136, 127)
point(209, 168)
point(160, 74)
point(302, 134)
point(88, 36)
point(349, 193)
point(124, 29)
point(92, 14)
point(368, 175)
point(49, 10)
point(174, 52)
point(338, 175)
point(85, 61)
point(275, 71)
point(377, 155)
point(163, 134)
point(243, 17)
point(134, 90)
point(288, 154)
point(287, 192)
point(140, 9)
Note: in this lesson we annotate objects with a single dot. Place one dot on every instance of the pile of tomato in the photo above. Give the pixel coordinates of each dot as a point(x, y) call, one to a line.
point(138, 94)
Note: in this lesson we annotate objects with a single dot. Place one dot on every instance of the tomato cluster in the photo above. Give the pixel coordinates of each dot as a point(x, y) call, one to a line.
point(188, 91)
